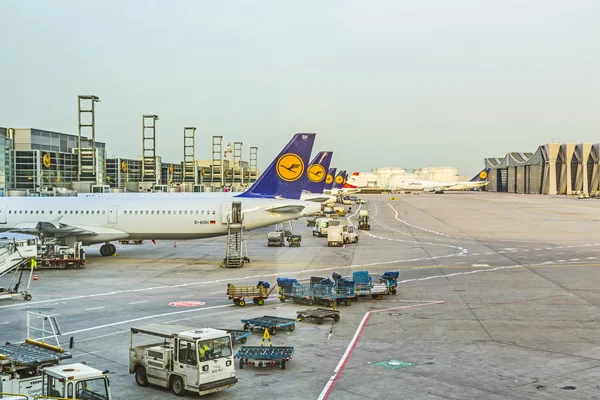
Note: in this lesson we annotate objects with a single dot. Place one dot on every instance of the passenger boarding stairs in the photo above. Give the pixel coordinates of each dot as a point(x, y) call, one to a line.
point(15, 253)
point(234, 257)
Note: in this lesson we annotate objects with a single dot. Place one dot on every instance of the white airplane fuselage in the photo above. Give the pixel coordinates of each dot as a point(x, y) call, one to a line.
point(145, 217)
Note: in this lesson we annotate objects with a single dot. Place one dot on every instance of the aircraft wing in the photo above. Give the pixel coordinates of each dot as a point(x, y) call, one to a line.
point(61, 230)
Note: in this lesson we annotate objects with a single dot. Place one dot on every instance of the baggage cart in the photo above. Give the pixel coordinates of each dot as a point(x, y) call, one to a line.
point(276, 239)
point(258, 293)
point(260, 356)
point(294, 240)
point(391, 279)
point(285, 286)
point(272, 324)
point(318, 314)
point(237, 335)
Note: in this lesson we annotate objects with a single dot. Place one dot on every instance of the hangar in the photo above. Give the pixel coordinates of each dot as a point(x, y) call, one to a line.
point(554, 168)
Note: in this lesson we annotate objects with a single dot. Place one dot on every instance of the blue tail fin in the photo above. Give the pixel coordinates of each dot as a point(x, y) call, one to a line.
point(283, 178)
point(314, 179)
point(340, 179)
point(482, 176)
point(330, 178)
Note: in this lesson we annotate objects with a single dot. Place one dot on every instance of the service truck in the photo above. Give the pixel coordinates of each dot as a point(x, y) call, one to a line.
point(335, 236)
point(321, 226)
point(187, 358)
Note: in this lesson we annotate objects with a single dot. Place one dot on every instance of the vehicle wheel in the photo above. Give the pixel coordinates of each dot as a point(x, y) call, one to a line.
point(330, 304)
point(27, 297)
point(379, 297)
point(393, 291)
point(236, 301)
point(348, 302)
point(62, 265)
point(282, 364)
point(356, 239)
point(310, 302)
point(260, 302)
point(105, 250)
point(300, 317)
point(241, 363)
point(273, 330)
point(282, 299)
point(292, 327)
point(254, 301)
point(243, 340)
point(246, 327)
point(373, 296)
point(177, 386)
point(320, 321)
point(241, 303)
point(336, 318)
point(140, 376)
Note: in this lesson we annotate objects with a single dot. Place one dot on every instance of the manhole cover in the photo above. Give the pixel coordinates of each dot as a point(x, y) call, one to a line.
point(186, 303)
point(393, 364)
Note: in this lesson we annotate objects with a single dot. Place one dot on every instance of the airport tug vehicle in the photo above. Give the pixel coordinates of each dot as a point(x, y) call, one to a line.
point(186, 359)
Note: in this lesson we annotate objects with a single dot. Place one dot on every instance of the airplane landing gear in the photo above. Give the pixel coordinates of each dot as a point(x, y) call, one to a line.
point(107, 250)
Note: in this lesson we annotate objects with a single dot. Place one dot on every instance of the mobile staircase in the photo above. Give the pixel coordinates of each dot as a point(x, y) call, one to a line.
point(237, 252)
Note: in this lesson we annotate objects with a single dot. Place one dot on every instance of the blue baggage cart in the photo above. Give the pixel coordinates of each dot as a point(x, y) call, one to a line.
point(269, 322)
point(260, 356)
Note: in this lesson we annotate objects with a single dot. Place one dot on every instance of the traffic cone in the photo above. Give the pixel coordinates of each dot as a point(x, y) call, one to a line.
point(175, 244)
point(34, 277)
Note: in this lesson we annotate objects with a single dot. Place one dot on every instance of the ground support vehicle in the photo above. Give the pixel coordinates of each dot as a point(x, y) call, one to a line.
point(285, 286)
point(16, 282)
point(364, 286)
point(262, 356)
point(33, 369)
point(321, 225)
point(294, 240)
point(340, 211)
point(318, 314)
point(258, 293)
point(272, 324)
point(54, 255)
point(391, 279)
point(237, 335)
point(275, 239)
point(335, 236)
point(363, 220)
point(184, 359)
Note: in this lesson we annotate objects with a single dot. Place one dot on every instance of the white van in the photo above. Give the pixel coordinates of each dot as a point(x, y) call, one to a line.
point(321, 225)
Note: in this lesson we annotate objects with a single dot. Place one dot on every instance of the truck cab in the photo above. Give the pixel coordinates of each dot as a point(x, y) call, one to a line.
point(196, 360)
point(76, 381)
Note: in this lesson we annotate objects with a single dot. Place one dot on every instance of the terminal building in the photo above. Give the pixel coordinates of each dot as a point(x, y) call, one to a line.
point(554, 168)
point(41, 162)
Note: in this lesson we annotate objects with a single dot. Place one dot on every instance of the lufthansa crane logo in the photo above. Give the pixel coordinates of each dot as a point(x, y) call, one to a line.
point(124, 166)
point(171, 169)
point(329, 179)
point(339, 179)
point(290, 167)
point(47, 160)
point(316, 173)
point(483, 174)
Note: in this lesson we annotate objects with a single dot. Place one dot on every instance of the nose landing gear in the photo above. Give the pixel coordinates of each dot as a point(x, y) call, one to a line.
point(107, 250)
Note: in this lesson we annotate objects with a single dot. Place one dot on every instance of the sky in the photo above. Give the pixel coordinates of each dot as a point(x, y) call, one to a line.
point(383, 83)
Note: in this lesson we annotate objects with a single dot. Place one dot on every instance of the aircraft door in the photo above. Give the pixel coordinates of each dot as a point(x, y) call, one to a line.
point(3, 212)
point(225, 211)
point(112, 214)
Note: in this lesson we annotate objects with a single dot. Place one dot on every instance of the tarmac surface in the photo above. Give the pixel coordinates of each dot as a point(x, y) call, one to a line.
point(498, 299)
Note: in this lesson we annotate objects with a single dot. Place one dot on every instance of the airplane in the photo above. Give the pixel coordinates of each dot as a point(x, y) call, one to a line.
point(329, 180)
point(477, 181)
point(92, 220)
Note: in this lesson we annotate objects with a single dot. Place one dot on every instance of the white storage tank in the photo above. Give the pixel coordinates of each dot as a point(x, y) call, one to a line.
point(383, 174)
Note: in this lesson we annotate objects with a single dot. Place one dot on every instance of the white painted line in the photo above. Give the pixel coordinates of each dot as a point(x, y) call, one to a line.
point(592, 258)
point(479, 265)
point(489, 253)
point(187, 295)
point(525, 250)
point(475, 254)
point(4, 323)
point(95, 308)
point(575, 259)
point(537, 249)
point(139, 302)
point(561, 261)
point(101, 336)
point(550, 248)
point(88, 353)
point(570, 246)
point(219, 292)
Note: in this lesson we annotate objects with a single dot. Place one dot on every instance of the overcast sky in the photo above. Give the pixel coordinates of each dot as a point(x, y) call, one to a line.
point(382, 83)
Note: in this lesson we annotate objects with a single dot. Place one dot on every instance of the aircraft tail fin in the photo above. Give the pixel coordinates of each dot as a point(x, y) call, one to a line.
point(330, 178)
point(283, 178)
point(481, 176)
point(340, 179)
point(316, 175)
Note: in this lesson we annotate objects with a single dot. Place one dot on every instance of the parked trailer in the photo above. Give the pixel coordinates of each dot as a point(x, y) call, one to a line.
point(318, 314)
point(269, 322)
point(364, 286)
point(285, 286)
point(258, 293)
point(294, 240)
point(391, 279)
point(260, 356)
point(237, 335)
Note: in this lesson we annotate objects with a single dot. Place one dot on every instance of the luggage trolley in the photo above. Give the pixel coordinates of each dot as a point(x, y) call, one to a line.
point(391, 279)
point(237, 335)
point(269, 322)
point(318, 314)
point(258, 293)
